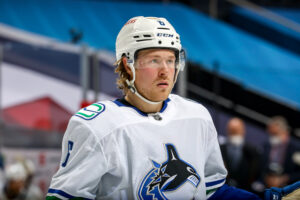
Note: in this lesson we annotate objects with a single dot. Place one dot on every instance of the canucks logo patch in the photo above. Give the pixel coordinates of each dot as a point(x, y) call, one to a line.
point(167, 177)
point(91, 111)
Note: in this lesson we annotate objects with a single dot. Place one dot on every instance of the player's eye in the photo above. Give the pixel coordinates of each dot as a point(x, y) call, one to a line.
point(154, 61)
point(171, 61)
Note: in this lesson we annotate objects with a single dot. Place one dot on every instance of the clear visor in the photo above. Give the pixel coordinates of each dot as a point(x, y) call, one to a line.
point(181, 60)
point(158, 61)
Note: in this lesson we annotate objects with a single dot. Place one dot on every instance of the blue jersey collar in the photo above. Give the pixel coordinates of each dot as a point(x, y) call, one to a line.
point(123, 102)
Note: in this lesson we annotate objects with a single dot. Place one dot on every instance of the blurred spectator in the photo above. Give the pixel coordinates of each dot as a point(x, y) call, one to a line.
point(15, 176)
point(281, 155)
point(30, 190)
point(17, 185)
point(240, 158)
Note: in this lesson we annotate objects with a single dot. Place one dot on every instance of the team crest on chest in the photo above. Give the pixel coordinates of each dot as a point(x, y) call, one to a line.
point(167, 177)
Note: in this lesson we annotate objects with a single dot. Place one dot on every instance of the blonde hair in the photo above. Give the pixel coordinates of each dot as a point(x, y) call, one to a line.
point(123, 75)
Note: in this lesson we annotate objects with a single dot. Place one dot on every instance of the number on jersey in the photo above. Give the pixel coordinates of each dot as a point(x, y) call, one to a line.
point(70, 147)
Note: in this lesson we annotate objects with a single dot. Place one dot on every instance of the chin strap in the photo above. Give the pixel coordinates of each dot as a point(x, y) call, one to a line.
point(132, 88)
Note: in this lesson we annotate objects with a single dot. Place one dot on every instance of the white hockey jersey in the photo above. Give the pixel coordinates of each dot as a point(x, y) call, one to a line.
point(112, 150)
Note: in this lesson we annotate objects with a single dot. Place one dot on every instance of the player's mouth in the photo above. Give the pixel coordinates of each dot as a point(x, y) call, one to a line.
point(163, 84)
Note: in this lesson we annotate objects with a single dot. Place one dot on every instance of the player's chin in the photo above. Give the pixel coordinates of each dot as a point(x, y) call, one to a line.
point(162, 95)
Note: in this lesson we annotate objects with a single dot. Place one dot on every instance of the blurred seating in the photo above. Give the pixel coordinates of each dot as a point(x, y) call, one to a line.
point(261, 26)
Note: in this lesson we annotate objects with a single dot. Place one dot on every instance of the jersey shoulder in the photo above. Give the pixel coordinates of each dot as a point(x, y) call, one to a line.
point(101, 118)
point(190, 107)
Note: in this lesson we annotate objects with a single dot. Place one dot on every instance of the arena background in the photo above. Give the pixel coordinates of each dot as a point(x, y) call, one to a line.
point(243, 59)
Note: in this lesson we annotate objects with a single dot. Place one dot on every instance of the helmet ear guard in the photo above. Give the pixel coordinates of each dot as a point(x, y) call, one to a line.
point(130, 84)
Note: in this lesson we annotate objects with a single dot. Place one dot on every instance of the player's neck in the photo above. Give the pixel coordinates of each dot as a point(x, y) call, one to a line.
point(142, 105)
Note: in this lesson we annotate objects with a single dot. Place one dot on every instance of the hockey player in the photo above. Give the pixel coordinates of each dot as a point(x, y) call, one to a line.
point(150, 144)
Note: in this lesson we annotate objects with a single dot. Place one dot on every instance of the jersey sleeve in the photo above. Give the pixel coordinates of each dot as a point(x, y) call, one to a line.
point(82, 164)
point(215, 171)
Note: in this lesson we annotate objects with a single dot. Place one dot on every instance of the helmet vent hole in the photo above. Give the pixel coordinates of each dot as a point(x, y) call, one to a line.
point(136, 36)
point(172, 43)
point(143, 40)
point(163, 28)
point(147, 35)
point(159, 42)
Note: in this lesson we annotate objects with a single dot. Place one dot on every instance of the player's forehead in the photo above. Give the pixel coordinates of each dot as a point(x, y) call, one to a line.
point(149, 53)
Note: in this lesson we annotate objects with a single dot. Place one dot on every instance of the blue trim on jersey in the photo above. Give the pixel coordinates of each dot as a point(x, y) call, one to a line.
point(229, 193)
point(209, 184)
point(120, 104)
point(62, 193)
point(116, 101)
point(165, 104)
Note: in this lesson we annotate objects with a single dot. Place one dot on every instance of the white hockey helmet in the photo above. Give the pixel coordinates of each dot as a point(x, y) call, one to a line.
point(15, 171)
point(147, 33)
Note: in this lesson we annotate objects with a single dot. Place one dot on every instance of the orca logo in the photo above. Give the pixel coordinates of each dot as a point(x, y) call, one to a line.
point(166, 177)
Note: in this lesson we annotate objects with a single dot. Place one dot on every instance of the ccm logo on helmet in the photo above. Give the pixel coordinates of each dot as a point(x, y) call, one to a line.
point(130, 21)
point(164, 35)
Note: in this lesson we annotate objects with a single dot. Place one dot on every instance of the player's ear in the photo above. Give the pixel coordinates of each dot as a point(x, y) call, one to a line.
point(127, 68)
